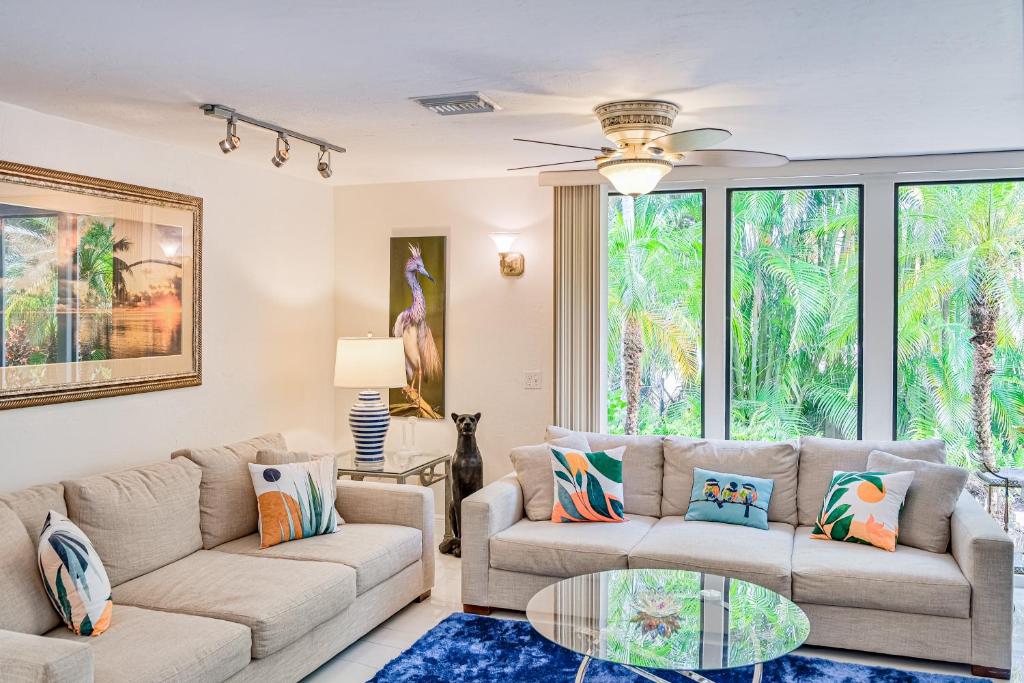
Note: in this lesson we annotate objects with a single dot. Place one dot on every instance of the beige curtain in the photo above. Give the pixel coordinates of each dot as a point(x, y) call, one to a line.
point(578, 330)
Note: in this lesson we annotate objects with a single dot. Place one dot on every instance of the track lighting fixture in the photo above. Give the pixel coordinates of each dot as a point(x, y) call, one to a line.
point(282, 148)
point(281, 153)
point(322, 165)
point(231, 141)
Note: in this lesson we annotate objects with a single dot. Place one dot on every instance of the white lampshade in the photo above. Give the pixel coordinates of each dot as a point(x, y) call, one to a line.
point(367, 362)
point(635, 176)
point(504, 240)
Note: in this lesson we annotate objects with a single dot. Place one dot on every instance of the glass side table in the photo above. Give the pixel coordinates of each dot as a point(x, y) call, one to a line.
point(427, 468)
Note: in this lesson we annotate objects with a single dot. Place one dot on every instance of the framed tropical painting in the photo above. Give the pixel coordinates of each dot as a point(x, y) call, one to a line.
point(99, 287)
point(417, 309)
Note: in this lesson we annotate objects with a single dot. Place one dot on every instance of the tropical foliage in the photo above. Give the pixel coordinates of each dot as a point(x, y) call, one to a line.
point(960, 319)
point(30, 296)
point(794, 318)
point(655, 313)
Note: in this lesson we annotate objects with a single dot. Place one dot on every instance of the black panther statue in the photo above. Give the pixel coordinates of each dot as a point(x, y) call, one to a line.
point(467, 476)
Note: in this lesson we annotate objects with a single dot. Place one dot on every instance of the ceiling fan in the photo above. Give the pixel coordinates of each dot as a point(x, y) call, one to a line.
point(645, 150)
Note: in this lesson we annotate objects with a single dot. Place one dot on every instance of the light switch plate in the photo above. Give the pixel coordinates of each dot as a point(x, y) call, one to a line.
point(533, 379)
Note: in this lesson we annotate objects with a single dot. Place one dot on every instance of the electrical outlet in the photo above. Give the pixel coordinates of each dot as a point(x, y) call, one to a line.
point(532, 379)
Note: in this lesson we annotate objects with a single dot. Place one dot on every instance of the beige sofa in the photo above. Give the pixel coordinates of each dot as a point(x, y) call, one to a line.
point(954, 606)
point(195, 599)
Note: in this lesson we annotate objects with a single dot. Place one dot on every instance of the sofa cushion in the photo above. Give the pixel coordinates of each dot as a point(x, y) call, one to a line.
point(279, 600)
point(642, 467)
point(376, 551)
point(820, 457)
point(34, 503)
point(138, 519)
point(533, 470)
point(227, 502)
point(924, 522)
point(26, 606)
point(775, 460)
point(564, 550)
point(853, 575)
point(146, 645)
point(271, 456)
point(755, 555)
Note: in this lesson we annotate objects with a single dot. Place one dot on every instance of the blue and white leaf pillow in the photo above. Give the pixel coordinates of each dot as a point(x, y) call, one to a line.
point(729, 498)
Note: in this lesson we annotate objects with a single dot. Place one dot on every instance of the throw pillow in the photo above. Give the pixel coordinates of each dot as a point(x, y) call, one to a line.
point(930, 502)
point(587, 486)
point(295, 500)
point(74, 577)
point(863, 507)
point(729, 498)
point(533, 469)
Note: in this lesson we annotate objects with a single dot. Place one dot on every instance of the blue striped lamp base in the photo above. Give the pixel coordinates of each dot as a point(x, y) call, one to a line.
point(369, 420)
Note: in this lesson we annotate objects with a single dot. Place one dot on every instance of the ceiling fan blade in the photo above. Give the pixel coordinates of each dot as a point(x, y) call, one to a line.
point(736, 158)
point(557, 163)
point(559, 144)
point(688, 140)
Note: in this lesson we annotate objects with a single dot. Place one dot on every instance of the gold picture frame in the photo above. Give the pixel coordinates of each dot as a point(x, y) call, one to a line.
point(100, 288)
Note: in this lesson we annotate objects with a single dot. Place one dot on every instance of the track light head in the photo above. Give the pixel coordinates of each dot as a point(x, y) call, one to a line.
point(281, 152)
point(323, 164)
point(231, 141)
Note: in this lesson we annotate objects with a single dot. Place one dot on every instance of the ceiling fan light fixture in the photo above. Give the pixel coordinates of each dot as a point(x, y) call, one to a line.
point(634, 176)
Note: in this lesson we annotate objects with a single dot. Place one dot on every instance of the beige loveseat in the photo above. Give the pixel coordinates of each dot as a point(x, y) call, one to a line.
point(954, 606)
point(195, 599)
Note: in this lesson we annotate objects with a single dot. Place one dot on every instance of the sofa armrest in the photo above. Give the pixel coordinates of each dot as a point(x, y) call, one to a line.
point(493, 508)
point(985, 555)
point(27, 658)
point(368, 502)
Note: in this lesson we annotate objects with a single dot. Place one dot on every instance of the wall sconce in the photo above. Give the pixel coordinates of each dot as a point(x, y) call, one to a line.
point(512, 263)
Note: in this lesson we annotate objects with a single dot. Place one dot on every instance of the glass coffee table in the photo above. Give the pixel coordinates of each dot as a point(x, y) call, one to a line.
point(668, 619)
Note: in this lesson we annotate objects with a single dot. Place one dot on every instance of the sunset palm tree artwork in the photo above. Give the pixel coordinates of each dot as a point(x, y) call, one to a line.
point(423, 361)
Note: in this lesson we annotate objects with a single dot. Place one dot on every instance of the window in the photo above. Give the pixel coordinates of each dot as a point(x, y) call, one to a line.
point(655, 313)
point(794, 316)
point(959, 348)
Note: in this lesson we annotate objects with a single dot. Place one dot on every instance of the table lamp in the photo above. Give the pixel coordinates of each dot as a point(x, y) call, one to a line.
point(368, 363)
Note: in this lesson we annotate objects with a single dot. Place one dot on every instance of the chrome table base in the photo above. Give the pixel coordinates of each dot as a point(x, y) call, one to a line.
point(692, 675)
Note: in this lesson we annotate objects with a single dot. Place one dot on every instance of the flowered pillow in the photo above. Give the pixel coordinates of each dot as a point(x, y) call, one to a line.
point(295, 500)
point(74, 577)
point(588, 486)
point(863, 507)
point(729, 498)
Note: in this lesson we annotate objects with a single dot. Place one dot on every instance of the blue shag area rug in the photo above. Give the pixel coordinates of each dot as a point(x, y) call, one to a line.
point(472, 649)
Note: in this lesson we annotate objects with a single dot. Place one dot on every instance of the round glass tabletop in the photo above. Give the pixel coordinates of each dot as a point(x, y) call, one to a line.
point(668, 619)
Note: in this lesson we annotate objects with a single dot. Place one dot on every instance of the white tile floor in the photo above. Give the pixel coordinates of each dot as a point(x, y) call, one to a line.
point(364, 658)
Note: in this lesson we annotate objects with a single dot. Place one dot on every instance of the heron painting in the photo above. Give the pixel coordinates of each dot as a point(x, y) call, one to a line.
point(417, 317)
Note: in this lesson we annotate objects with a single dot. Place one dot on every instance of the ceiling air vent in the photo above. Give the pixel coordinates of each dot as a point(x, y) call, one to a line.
point(459, 103)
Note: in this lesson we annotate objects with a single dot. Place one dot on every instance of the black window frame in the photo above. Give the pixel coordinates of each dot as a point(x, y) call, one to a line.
point(703, 293)
point(860, 292)
point(896, 274)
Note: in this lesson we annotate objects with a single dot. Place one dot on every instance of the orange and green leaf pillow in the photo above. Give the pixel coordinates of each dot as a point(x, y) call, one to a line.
point(863, 507)
point(295, 500)
point(73, 576)
point(588, 486)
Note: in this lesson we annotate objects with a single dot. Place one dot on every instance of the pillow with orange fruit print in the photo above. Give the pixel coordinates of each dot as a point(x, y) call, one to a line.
point(863, 507)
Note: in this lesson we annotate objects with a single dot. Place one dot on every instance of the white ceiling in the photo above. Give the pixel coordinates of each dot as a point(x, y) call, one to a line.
point(805, 78)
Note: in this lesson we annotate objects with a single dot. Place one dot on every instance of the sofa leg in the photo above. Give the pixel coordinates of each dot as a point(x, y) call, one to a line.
point(476, 609)
point(989, 672)
point(422, 597)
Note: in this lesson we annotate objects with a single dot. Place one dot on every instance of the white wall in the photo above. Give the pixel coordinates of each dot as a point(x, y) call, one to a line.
point(268, 314)
point(497, 327)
